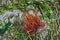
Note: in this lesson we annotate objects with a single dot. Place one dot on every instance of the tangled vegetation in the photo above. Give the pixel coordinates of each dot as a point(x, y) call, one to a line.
point(14, 30)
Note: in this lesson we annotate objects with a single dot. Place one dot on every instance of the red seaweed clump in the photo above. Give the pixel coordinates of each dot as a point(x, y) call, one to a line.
point(32, 23)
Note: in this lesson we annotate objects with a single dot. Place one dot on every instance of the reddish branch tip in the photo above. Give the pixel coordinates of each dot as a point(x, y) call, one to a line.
point(32, 23)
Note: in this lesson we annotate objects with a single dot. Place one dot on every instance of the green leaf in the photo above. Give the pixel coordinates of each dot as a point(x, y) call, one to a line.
point(2, 31)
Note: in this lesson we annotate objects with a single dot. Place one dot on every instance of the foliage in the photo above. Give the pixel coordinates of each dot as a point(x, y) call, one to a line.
point(49, 11)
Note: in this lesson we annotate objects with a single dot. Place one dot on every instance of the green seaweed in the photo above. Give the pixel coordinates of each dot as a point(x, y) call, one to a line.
point(2, 31)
